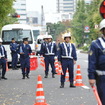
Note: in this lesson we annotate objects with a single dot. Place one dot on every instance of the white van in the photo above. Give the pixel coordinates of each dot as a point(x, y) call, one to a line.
point(17, 31)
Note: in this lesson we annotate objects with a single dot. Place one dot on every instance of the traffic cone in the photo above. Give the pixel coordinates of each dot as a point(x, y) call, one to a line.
point(56, 65)
point(67, 76)
point(7, 66)
point(42, 63)
point(60, 70)
point(40, 98)
point(78, 81)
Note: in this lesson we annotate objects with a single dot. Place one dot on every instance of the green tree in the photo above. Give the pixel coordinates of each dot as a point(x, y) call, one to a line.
point(86, 15)
point(78, 22)
point(6, 9)
point(56, 29)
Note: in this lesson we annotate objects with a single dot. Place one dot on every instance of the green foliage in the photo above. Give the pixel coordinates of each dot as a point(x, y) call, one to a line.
point(56, 28)
point(86, 15)
point(86, 48)
point(6, 9)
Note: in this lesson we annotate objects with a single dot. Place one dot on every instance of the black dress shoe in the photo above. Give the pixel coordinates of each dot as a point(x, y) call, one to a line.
point(23, 78)
point(72, 86)
point(4, 78)
point(27, 76)
point(46, 76)
point(13, 68)
point(62, 85)
point(53, 76)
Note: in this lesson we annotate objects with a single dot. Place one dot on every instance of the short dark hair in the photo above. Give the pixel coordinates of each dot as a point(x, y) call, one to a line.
point(67, 37)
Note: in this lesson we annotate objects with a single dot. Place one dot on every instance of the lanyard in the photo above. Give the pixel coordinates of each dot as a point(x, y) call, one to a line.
point(67, 50)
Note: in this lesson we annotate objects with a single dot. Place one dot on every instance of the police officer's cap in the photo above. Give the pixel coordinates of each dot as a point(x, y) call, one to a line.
point(25, 39)
point(13, 39)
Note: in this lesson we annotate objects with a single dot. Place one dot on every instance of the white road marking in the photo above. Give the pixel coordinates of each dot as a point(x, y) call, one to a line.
point(85, 87)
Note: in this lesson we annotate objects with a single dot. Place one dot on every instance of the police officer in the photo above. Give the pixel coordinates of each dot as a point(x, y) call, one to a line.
point(14, 53)
point(67, 57)
point(24, 51)
point(49, 51)
point(96, 65)
point(45, 39)
point(3, 58)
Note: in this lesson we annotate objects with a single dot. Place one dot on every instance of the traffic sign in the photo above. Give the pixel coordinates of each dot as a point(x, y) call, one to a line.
point(86, 29)
point(102, 9)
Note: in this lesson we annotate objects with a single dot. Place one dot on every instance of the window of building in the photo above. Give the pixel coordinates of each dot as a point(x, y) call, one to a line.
point(67, 0)
point(69, 7)
point(21, 9)
point(68, 3)
point(68, 10)
point(23, 4)
point(35, 20)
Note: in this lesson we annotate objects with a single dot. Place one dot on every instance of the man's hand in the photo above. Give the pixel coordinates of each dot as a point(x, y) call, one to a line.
point(74, 62)
point(92, 82)
point(21, 53)
point(59, 63)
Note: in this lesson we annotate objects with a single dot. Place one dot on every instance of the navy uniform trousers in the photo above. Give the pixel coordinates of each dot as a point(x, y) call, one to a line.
point(100, 83)
point(67, 64)
point(25, 65)
point(3, 64)
point(14, 59)
point(49, 59)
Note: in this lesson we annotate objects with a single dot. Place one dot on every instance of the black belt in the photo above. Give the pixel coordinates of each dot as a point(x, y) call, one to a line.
point(2, 57)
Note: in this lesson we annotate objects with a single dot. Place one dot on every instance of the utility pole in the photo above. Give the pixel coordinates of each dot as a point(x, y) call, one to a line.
point(58, 6)
point(42, 15)
point(43, 24)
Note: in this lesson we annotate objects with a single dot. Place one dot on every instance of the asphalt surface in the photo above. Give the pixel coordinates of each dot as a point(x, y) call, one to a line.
point(16, 91)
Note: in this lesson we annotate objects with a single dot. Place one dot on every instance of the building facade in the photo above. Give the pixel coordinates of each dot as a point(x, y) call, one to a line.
point(66, 6)
point(34, 18)
point(20, 7)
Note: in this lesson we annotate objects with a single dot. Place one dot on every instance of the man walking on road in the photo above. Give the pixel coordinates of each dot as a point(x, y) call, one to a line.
point(96, 65)
point(67, 57)
point(24, 51)
point(3, 58)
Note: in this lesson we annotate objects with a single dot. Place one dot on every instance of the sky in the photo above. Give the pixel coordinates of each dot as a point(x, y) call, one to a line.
point(35, 5)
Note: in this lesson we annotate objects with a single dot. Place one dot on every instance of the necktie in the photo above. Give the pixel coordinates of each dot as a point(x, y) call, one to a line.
point(49, 47)
point(68, 48)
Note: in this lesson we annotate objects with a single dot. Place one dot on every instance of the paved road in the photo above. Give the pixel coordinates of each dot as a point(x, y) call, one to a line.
point(16, 91)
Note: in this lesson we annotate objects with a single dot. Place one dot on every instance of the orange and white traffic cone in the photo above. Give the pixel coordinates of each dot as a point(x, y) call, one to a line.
point(40, 98)
point(78, 81)
point(56, 65)
point(60, 70)
point(7, 66)
point(42, 63)
point(67, 75)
